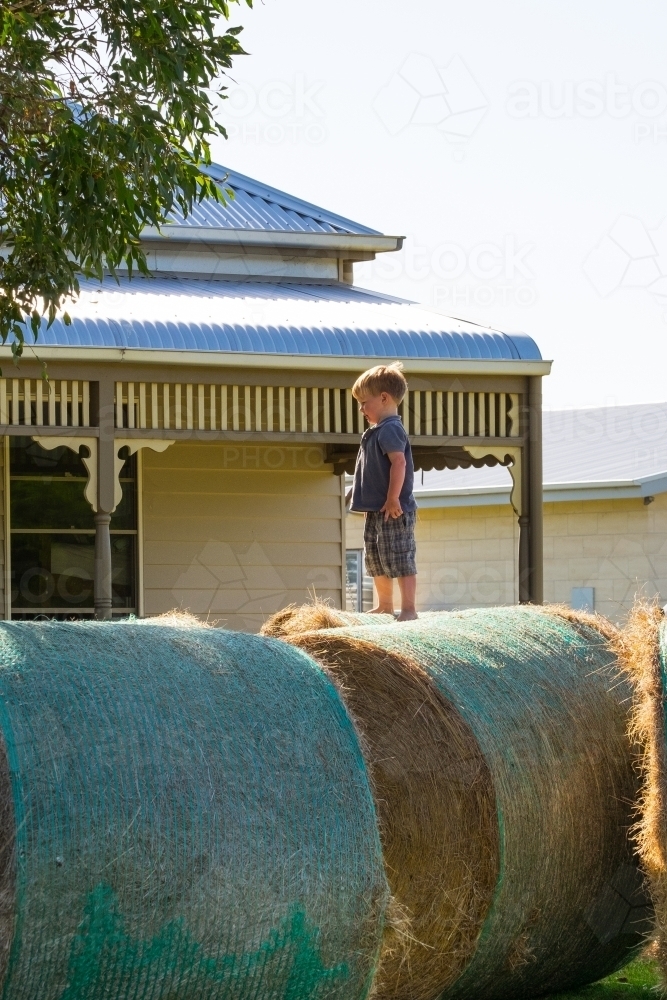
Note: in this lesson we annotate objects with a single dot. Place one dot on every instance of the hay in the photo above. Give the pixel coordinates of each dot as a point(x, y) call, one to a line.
point(541, 712)
point(589, 619)
point(433, 788)
point(189, 816)
point(176, 617)
point(295, 619)
point(642, 653)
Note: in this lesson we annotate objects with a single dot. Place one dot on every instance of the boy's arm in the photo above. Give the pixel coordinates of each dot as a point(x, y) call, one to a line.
point(392, 506)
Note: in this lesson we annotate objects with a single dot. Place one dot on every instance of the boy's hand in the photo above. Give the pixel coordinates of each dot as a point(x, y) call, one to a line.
point(391, 508)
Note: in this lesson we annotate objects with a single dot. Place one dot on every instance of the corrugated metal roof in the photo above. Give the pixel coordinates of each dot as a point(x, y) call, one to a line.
point(611, 444)
point(175, 313)
point(258, 206)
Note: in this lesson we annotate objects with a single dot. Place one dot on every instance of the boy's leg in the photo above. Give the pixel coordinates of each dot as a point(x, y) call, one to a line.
point(385, 591)
point(408, 588)
point(383, 585)
point(397, 551)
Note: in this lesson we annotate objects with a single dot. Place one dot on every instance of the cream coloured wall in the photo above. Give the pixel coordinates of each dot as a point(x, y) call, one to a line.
point(466, 556)
point(617, 546)
point(233, 532)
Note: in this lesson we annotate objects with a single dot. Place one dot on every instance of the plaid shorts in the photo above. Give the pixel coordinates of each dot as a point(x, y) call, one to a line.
point(390, 547)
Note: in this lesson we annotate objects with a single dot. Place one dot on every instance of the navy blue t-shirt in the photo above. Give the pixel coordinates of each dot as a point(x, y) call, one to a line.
point(371, 473)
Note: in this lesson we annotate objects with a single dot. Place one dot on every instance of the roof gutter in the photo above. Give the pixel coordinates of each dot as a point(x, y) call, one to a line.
point(251, 238)
point(315, 362)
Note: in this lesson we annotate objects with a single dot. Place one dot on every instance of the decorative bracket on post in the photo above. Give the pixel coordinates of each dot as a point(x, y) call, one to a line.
point(133, 445)
point(89, 460)
point(501, 453)
point(98, 494)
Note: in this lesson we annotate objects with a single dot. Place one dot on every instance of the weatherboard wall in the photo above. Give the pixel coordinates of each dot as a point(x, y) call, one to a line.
point(233, 532)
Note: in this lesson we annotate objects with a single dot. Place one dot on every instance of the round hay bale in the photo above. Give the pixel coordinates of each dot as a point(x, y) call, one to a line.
point(185, 813)
point(504, 783)
point(643, 653)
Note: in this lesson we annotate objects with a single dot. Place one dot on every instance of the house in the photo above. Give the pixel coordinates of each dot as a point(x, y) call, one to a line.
point(190, 446)
point(605, 519)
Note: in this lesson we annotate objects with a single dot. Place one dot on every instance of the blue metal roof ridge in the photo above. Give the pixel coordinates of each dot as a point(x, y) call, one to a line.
point(525, 346)
point(286, 201)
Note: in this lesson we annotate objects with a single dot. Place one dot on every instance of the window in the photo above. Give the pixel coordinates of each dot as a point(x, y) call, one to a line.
point(359, 586)
point(583, 598)
point(53, 535)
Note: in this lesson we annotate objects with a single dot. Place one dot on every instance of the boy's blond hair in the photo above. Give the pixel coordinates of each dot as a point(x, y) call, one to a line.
point(382, 378)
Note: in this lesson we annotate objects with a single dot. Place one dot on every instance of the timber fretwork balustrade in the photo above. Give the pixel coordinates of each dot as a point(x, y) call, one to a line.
point(35, 402)
point(295, 409)
point(283, 409)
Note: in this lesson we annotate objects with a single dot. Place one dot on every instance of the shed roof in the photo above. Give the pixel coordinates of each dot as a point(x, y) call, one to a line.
point(172, 314)
point(607, 452)
point(257, 206)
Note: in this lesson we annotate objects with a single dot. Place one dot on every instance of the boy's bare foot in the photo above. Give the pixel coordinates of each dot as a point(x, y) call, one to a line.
point(380, 611)
point(407, 616)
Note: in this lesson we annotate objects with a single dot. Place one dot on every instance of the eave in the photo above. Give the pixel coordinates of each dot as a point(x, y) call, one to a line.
point(280, 362)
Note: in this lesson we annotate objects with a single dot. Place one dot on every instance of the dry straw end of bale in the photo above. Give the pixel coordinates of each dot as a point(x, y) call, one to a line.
point(643, 653)
point(185, 811)
point(176, 617)
point(515, 866)
point(295, 619)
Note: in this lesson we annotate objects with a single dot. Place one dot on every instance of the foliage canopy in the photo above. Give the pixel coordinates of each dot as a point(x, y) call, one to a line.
point(106, 111)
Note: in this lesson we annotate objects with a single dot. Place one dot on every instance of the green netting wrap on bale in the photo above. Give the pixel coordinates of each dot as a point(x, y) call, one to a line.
point(185, 814)
point(504, 781)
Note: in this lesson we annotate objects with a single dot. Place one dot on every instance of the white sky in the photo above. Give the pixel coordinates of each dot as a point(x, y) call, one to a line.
point(528, 221)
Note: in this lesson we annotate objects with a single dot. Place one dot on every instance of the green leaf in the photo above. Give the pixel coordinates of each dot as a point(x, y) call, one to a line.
point(105, 119)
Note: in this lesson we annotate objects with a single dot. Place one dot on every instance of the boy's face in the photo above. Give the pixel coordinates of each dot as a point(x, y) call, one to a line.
point(376, 408)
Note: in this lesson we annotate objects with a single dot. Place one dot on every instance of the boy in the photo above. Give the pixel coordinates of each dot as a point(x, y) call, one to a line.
point(382, 489)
